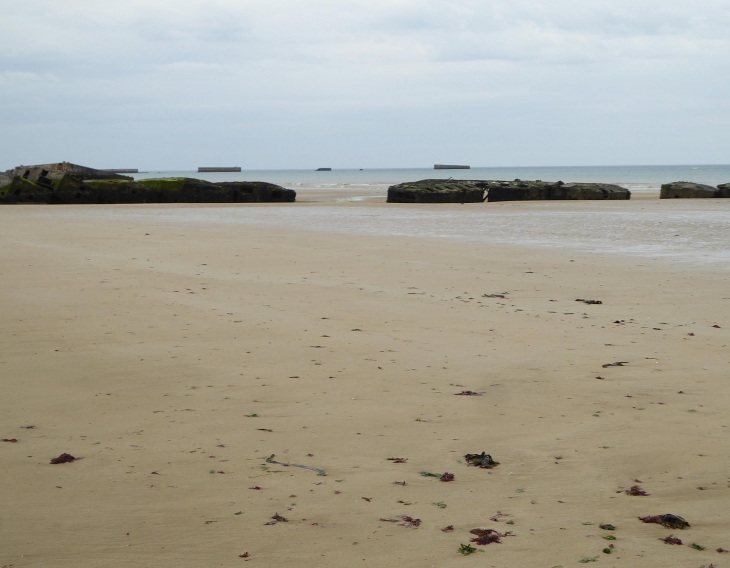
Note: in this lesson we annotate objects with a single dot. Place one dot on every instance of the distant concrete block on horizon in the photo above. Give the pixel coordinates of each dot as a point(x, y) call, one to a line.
point(216, 169)
point(450, 167)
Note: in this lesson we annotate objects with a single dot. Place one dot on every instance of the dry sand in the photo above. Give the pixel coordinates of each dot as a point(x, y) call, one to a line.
point(174, 358)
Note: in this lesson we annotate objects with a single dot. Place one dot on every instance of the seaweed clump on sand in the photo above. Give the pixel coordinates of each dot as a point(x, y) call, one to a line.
point(486, 536)
point(63, 458)
point(636, 491)
point(669, 521)
point(483, 460)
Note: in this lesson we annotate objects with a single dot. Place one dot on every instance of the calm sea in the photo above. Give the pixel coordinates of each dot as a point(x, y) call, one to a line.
point(636, 178)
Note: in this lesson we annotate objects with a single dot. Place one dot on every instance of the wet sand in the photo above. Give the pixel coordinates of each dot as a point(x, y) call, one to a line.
point(175, 357)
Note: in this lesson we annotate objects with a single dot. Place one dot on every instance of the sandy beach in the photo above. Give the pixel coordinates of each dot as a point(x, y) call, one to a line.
point(174, 357)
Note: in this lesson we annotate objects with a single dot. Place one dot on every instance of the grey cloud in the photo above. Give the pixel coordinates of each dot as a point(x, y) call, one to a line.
point(308, 68)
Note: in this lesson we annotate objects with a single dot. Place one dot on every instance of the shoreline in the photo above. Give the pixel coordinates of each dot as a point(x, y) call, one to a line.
point(689, 231)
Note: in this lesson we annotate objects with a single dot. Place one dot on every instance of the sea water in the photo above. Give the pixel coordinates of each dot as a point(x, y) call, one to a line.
point(635, 178)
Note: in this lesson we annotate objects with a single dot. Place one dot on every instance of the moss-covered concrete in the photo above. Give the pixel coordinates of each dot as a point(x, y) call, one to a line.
point(474, 191)
point(71, 189)
point(437, 191)
point(689, 190)
point(519, 190)
point(21, 190)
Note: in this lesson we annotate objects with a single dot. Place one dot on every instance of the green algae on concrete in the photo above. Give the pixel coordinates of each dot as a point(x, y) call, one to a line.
point(437, 191)
point(21, 190)
point(71, 189)
point(690, 190)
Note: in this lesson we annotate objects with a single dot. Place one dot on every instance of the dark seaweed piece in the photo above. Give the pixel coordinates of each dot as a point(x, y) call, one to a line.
point(671, 539)
point(589, 302)
point(483, 460)
point(669, 521)
point(498, 516)
point(11, 440)
point(636, 491)
point(270, 459)
point(244, 555)
point(279, 519)
point(368, 499)
point(403, 483)
point(493, 296)
point(674, 522)
point(28, 427)
point(450, 528)
point(616, 364)
point(398, 460)
point(264, 429)
point(697, 546)
point(429, 474)
point(468, 393)
point(721, 550)
point(64, 458)
point(388, 520)
point(485, 536)
point(255, 488)
point(447, 477)
point(607, 527)
point(409, 521)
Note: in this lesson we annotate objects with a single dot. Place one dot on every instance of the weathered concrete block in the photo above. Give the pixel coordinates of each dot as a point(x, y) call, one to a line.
point(689, 190)
point(437, 191)
point(260, 192)
point(55, 172)
point(71, 189)
point(21, 190)
point(519, 190)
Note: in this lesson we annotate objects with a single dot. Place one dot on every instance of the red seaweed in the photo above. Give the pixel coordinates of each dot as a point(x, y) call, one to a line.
point(636, 491)
point(468, 393)
point(721, 550)
point(447, 477)
point(450, 528)
point(485, 536)
point(403, 483)
point(671, 539)
point(244, 555)
point(409, 521)
point(11, 440)
point(398, 460)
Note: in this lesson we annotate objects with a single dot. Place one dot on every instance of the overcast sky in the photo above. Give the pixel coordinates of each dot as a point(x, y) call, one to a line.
point(364, 83)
